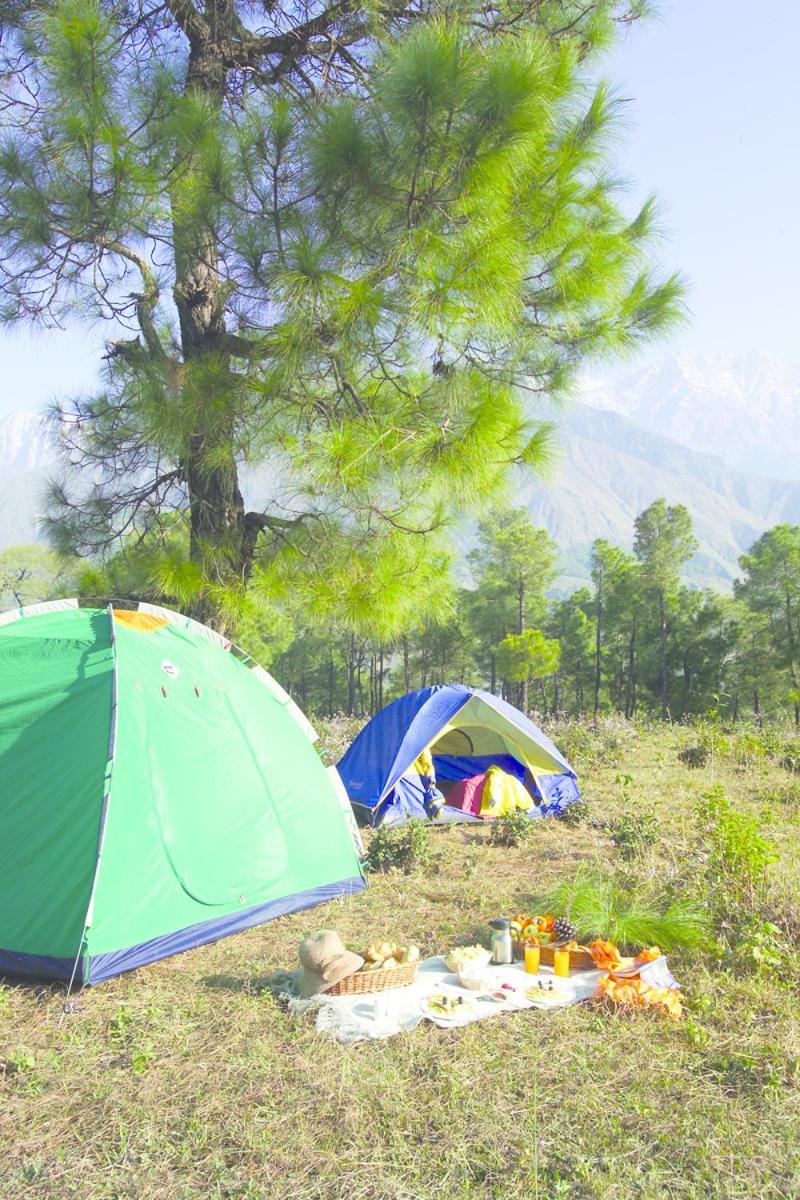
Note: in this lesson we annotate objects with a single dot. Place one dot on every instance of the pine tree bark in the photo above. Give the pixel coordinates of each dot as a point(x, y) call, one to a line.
point(522, 618)
point(598, 646)
point(662, 624)
point(222, 535)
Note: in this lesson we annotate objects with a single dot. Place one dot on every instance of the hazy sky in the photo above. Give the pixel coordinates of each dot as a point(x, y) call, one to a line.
point(713, 128)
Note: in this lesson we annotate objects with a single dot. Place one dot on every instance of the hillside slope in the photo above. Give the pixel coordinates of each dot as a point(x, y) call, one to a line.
point(610, 469)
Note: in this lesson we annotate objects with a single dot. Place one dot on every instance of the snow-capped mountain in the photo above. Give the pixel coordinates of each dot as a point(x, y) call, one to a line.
point(743, 408)
point(28, 450)
point(26, 442)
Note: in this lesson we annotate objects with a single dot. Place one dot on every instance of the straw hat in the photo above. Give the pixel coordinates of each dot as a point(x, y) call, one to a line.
point(325, 962)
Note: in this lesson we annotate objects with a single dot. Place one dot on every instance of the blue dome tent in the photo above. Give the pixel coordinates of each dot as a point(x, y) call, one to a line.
point(466, 731)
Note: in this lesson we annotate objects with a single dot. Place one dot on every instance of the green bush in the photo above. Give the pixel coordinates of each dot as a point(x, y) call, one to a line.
point(759, 945)
point(695, 756)
point(738, 853)
point(788, 796)
point(587, 747)
point(576, 814)
point(790, 757)
point(512, 830)
point(631, 916)
point(633, 832)
point(405, 849)
point(754, 746)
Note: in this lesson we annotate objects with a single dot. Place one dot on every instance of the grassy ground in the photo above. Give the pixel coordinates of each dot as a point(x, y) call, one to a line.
point(187, 1080)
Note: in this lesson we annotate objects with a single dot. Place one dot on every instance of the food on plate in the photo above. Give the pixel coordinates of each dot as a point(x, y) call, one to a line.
point(475, 980)
point(546, 993)
point(462, 956)
point(448, 1007)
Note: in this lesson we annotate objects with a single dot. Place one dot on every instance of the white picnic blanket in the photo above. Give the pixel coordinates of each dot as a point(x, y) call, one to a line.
point(383, 1014)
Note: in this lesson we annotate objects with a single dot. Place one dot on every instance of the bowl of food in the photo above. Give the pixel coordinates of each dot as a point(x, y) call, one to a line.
point(463, 957)
point(476, 979)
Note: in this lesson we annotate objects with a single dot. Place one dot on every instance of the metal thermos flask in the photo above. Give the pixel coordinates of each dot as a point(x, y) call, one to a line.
point(502, 945)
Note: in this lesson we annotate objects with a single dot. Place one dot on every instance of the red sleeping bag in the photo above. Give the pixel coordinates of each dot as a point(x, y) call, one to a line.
point(466, 794)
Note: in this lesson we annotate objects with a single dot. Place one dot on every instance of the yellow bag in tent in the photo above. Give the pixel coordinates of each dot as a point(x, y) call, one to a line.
point(503, 794)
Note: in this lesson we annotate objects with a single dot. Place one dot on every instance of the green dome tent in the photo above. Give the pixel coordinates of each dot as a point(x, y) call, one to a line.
point(156, 793)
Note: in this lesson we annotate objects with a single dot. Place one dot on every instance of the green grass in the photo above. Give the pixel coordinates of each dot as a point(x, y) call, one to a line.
point(186, 1080)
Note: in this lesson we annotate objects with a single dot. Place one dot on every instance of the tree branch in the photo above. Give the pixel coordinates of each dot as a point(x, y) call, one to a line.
point(146, 301)
point(190, 21)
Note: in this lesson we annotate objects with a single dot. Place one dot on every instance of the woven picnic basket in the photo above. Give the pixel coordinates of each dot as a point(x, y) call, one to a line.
point(375, 981)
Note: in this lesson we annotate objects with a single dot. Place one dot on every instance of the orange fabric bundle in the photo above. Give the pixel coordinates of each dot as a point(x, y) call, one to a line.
point(650, 954)
point(606, 955)
point(634, 993)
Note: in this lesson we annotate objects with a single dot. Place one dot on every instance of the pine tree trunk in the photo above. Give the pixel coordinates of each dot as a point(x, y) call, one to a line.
point(351, 677)
point(406, 666)
point(662, 621)
point(222, 540)
point(360, 681)
point(598, 646)
point(792, 656)
point(630, 702)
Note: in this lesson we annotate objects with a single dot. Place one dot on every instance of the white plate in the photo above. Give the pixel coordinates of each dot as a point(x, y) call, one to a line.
point(466, 1009)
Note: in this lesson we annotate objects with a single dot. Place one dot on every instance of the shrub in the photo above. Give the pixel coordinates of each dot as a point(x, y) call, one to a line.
point(587, 747)
point(739, 854)
point(760, 945)
point(632, 833)
point(511, 830)
point(695, 756)
point(788, 796)
point(576, 814)
point(601, 906)
point(754, 745)
point(790, 758)
point(405, 849)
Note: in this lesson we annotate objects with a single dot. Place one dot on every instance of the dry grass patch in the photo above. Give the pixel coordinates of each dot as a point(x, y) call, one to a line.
point(186, 1080)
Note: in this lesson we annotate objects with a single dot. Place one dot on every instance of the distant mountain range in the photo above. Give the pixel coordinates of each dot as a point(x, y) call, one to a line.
point(720, 434)
point(610, 469)
point(744, 408)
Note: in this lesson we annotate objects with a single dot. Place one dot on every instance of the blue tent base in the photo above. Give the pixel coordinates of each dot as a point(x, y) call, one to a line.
point(101, 967)
point(38, 966)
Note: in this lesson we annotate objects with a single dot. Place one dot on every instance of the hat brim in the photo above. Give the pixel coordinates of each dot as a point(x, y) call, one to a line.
point(312, 984)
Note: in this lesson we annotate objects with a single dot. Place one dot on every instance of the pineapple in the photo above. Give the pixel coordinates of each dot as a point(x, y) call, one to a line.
point(564, 930)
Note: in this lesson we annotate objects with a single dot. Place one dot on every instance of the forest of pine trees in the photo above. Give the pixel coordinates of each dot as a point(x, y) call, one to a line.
point(638, 641)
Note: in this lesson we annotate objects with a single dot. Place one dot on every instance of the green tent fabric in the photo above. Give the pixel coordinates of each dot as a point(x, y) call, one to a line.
point(155, 794)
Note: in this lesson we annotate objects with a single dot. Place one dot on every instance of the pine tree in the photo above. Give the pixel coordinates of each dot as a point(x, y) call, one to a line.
point(771, 587)
point(332, 242)
point(664, 542)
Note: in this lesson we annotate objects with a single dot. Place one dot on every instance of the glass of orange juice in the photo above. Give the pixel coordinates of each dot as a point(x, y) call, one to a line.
point(561, 961)
point(532, 957)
